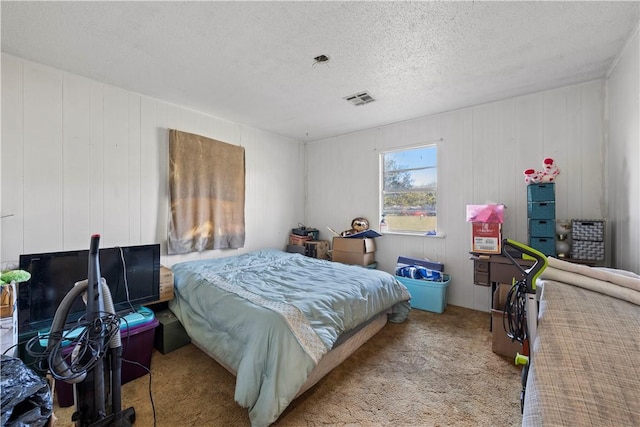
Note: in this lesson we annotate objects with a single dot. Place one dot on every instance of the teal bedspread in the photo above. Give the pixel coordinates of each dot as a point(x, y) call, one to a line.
point(271, 315)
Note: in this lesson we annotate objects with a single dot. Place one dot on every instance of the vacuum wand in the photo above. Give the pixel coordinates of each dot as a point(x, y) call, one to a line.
point(95, 309)
point(95, 304)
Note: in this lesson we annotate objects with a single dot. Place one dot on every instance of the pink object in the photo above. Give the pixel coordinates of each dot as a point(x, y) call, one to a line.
point(485, 213)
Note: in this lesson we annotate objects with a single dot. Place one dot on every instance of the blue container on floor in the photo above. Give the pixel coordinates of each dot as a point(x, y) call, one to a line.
point(427, 295)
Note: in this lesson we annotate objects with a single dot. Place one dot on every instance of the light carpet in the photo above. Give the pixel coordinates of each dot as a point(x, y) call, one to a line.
point(432, 370)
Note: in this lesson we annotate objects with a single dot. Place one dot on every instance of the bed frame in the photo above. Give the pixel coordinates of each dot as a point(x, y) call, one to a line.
point(348, 343)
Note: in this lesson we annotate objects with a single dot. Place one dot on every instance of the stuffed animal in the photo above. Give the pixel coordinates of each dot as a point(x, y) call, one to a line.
point(532, 176)
point(357, 225)
point(550, 170)
point(547, 174)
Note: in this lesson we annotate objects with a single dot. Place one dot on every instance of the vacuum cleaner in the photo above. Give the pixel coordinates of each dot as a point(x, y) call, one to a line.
point(96, 359)
point(521, 308)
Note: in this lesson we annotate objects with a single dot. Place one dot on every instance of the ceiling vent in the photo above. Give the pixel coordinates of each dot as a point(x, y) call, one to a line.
point(360, 98)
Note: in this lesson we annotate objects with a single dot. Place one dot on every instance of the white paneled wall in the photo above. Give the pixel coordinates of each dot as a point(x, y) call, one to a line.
point(623, 156)
point(482, 154)
point(81, 157)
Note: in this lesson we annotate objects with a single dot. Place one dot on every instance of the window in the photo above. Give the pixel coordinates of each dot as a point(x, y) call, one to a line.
point(409, 185)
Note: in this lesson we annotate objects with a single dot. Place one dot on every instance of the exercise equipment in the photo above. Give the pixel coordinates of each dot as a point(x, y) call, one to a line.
point(521, 308)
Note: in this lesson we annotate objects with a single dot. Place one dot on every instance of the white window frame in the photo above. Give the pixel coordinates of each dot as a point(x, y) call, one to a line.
point(426, 211)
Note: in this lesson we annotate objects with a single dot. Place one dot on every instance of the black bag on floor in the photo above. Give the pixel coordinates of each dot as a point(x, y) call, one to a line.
point(25, 396)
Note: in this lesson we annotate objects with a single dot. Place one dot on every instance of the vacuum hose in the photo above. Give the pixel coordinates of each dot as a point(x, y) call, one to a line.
point(57, 364)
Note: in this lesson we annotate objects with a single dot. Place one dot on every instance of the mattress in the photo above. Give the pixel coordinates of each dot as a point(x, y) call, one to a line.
point(271, 317)
point(585, 368)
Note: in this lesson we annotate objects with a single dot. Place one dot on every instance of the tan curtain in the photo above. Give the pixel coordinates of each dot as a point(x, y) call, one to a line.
point(206, 193)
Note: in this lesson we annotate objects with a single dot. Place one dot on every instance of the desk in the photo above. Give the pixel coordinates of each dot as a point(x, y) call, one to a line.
point(489, 270)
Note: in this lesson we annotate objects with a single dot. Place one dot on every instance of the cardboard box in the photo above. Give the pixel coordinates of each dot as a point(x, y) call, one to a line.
point(314, 233)
point(500, 342)
point(9, 333)
point(500, 296)
point(166, 285)
point(317, 249)
point(7, 300)
point(298, 240)
point(354, 251)
point(486, 237)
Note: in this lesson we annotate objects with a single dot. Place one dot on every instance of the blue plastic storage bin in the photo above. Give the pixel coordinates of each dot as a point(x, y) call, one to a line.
point(545, 192)
point(541, 210)
point(542, 228)
point(427, 295)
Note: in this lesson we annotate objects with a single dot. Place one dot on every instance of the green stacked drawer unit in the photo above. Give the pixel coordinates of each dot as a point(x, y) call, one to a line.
point(541, 215)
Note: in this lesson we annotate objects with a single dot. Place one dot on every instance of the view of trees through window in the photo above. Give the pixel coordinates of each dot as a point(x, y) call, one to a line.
point(409, 185)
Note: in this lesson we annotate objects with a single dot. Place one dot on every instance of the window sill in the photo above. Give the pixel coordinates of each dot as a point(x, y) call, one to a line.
point(401, 233)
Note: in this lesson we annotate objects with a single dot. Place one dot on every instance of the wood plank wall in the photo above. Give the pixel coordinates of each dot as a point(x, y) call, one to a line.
point(482, 155)
point(623, 156)
point(82, 157)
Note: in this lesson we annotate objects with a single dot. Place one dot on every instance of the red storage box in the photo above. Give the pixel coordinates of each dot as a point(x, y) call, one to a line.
point(137, 346)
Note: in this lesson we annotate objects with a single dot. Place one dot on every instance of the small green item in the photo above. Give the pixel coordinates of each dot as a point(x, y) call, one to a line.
point(521, 359)
point(17, 276)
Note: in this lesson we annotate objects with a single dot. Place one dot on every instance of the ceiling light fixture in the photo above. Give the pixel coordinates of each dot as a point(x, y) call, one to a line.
point(360, 98)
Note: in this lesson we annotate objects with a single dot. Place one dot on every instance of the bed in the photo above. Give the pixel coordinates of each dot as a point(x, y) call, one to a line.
point(585, 361)
point(280, 321)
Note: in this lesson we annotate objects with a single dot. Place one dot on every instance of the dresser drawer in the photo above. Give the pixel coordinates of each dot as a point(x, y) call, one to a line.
point(543, 192)
point(481, 279)
point(541, 210)
point(542, 228)
point(588, 250)
point(585, 229)
point(481, 273)
point(504, 273)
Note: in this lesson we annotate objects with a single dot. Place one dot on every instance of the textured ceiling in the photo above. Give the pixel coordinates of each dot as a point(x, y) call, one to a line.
point(252, 62)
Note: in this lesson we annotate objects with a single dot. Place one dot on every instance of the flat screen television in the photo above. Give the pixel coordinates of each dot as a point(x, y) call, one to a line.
point(54, 274)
